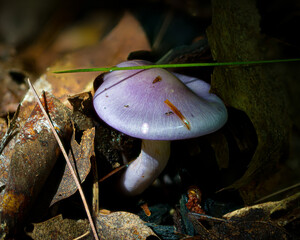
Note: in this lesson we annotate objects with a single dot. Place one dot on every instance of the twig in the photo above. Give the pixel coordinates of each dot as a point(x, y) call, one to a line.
point(95, 186)
point(114, 171)
point(82, 236)
point(68, 162)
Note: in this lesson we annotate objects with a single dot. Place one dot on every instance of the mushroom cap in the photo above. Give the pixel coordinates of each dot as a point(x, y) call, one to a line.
point(133, 102)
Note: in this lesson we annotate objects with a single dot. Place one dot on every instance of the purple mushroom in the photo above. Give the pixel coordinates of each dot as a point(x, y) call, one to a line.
point(156, 106)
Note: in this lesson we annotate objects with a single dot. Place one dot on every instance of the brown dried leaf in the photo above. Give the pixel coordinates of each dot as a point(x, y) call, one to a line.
point(281, 212)
point(35, 153)
point(59, 228)
point(54, 41)
point(261, 221)
point(82, 102)
point(79, 156)
point(256, 90)
point(126, 37)
point(122, 225)
point(249, 230)
point(83, 110)
point(238, 228)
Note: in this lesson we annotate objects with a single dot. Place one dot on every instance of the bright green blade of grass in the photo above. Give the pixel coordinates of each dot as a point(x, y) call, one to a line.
point(178, 65)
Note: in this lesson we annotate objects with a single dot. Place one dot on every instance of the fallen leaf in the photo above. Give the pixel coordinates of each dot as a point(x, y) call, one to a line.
point(262, 221)
point(282, 212)
point(126, 37)
point(83, 110)
point(54, 41)
point(79, 156)
point(256, 90)
point(214, 229)
point(122, 225)
point(35, 153)
point(59, 228)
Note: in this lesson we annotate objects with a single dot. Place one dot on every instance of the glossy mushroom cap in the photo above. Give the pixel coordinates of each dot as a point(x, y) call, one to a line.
point(134, 102)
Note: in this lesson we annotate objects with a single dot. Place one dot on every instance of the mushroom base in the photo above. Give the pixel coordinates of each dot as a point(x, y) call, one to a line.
point(146, 168)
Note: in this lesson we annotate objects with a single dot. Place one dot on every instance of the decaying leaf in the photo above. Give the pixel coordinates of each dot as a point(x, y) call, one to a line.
point(79, 156)
point(80, 153)
point(54, 41)
point(83, 108)
point(122, 225)
point(246, 229)
point(261, 221)
point(82, 102)
point(126, 37)
point(35, 153)
point(59, 228)
point(256, 90)
point(281, 212)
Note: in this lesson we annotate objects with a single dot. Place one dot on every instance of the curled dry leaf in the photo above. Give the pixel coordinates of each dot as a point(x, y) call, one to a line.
point(79, 156)
point(122, 225)
point(34, 154)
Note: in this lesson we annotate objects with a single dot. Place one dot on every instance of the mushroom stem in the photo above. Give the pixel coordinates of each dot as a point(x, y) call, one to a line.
point(147, 166)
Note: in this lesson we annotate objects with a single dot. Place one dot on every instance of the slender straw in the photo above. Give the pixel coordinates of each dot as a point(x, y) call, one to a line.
point(68, 162)
point(105, 69)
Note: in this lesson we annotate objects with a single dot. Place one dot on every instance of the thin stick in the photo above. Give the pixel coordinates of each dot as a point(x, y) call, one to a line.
point(82, 236)
point(67, 160)
point(95, 186)
point(114, 171)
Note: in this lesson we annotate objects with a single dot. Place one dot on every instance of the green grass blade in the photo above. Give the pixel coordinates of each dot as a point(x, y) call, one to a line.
point(178, 65)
